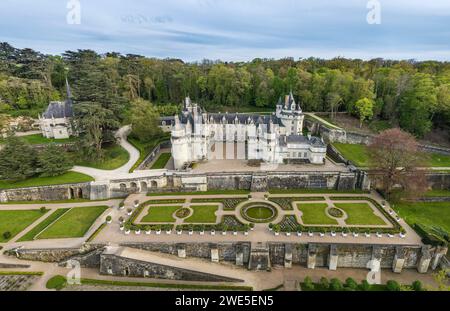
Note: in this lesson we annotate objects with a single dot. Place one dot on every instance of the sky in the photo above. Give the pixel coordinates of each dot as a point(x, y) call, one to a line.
point(232, 30)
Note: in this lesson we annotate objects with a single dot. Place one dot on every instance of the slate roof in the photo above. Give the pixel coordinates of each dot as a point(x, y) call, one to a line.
point(59, 110)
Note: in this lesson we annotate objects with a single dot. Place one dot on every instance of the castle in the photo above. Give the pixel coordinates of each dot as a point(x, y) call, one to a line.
point(55, 122)
point(277, 138)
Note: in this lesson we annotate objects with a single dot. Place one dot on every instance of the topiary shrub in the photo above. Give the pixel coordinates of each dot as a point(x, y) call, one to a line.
point(43, 210)
point(351, 284)
point(57, 282)
point(336, 285)
point(6, 235)
point(392, 286)
point(417, 286)
point(324, 283)
point(365, 286)
point(308, 284)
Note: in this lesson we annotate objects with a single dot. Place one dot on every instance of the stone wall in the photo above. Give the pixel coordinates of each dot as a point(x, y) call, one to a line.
point(47, 193)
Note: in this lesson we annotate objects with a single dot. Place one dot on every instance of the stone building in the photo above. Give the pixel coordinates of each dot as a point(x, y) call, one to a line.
point(276, 138)
point(55, 122)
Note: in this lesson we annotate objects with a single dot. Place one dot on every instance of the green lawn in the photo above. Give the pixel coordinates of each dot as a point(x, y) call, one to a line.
point(314, 214)
point(75, 223)
point(439, 160)
point(438, 193)
point(356, 153)
point(145, 147)
point(360, 214)
point(161, 214)
point(42, 225)
point(15, 221)
point(38, 139)
point(115, 157)
point(67, 178)
point(162, 160)
point(203, 214)
point(359, 155)
point(427, 213)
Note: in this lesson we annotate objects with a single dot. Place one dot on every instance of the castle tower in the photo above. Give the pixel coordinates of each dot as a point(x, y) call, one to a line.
point(180, 141)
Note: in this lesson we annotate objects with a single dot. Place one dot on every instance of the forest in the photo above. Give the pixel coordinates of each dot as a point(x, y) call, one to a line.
point(410, 94)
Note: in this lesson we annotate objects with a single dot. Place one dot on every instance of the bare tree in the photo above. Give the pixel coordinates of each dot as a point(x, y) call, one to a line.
point(398, 163)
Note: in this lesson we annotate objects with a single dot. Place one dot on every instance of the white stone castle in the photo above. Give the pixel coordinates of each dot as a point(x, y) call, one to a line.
point(55, 122)
point(276, 138)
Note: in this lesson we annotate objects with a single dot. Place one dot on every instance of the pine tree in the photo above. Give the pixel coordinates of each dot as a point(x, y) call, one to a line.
point(53, 161)
point(17, 160)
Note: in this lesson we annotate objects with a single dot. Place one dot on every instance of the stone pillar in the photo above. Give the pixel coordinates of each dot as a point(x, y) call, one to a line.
point(399, 260)
point(288, 256)
point(312, 250)
point(440, 252)
point(181, 249)
point(376, 256)
point(214, 254)
point(424, 261)
point(239, 255)
point(333, 257)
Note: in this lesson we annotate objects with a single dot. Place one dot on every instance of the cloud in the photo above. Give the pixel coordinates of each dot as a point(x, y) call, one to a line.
point(233, 29)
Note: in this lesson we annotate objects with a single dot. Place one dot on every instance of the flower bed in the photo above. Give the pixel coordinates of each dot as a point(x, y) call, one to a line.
point(229, 204)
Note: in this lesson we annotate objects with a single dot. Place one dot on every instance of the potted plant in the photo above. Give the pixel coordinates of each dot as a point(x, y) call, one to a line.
point(136, 203)
point(310, 233)
point(403, 233)
point(108, 219)
point(137, 231)
point(379, 235)
point(213, 230)
point(355, 232)
point(266, 197)
point(322, 232)
point(299, 230)
point(277, 229)
point(121, 205)
point(333, 233)
point(127, 229)
point(249, 196)
point(147, 229)
point(246, 229)
point(168, 229)
point(345, 232)
point(191, 229)
point(251, 226)
point(270, 226)
point(121, 219)
point(121, 227)
point(158, 229)
point(224, 229)
point(179, 229)
point(288, 231)
point(202, 229)
point(129, 211)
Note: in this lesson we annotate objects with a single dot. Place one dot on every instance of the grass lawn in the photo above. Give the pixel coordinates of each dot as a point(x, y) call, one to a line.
point(439, 160)
point(314, 214)
point(115, 157)
point(67, 178)
point(42, 225)
point(15, 221)
point(145, 147)
point(438, 193)
point(427, 213)
point(360, 214)
point(38, 139)
point(75, 223)
point(162, 160)
point(203, 214)
point(356, 153)
point(160, 214)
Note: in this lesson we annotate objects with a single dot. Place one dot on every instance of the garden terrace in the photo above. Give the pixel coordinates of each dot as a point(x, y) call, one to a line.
point(12, 222)
point(30, 235)
point(72, 224)
point(160, 214)
point(315, 214)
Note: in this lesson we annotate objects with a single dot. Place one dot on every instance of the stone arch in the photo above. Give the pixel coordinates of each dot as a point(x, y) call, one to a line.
point(123, 187)
point(79, 193)
point(154, 184)
point(126, 271)
point(144, 186)
point(133, 185)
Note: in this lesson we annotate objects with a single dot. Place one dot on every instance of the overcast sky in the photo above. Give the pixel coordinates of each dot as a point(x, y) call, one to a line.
point(233, 30)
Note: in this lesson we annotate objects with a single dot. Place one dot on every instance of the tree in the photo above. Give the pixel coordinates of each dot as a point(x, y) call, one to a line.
point(396, 159)
point(94, 124)
point(144, 119)
point(53, 161)
point(364, 107)
point(18, 160)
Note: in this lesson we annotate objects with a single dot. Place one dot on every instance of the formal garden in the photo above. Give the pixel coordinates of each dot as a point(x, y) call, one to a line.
point(299, 214)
